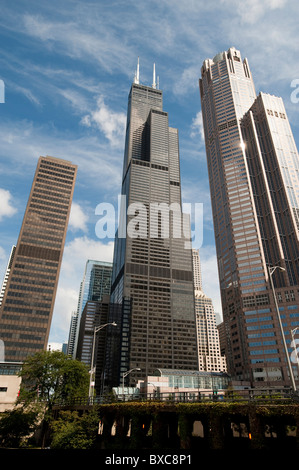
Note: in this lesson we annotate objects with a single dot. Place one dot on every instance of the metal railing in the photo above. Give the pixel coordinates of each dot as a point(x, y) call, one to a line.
point(255, 395)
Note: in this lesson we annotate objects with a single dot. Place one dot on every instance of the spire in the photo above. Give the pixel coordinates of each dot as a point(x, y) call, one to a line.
point(136, 79)
point(154, 85)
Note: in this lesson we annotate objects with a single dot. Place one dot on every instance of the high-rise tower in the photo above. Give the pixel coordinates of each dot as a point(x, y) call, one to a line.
point(152, 283)
point(253, 172)
point(27, 306)
point(209, 355)
point(95, 284)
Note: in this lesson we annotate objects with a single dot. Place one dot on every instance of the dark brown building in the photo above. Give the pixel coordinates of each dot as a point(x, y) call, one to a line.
point(27, 307)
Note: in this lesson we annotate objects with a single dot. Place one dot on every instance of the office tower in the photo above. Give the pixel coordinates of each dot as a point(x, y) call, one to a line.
point(152, 286)
point(92, 342)
point(197, 277)
point(209, 355)
point(6, 275)
point(253, 172)
point(95, 284)
point(27, 307)
point(70, 350)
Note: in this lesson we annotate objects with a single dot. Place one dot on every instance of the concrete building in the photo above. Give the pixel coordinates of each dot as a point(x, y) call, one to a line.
point(9, 384)
point(184, 384)
point(209, 354)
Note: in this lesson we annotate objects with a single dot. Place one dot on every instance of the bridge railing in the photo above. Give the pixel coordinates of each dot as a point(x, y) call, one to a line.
point(267, 395)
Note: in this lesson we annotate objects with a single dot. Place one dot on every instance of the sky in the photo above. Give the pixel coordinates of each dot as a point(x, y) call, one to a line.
point(67, 68)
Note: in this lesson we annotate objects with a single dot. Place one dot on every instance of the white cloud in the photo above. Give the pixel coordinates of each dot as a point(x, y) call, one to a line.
point(3, 259)
point(81, 34)
point(2, 253)
point(188, 80)
point(22, 142)
point(197, 126)
point(111, 123)
point(6, 208)
point(210, 280)
point(251, 11)
point(78, 219)
point(76, 253)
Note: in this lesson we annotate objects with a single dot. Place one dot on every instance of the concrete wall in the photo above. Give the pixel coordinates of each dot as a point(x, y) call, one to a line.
point(9, 389)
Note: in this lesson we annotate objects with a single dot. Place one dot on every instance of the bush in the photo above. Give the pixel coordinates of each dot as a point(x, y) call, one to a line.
point(15, 426)
point(71, 431)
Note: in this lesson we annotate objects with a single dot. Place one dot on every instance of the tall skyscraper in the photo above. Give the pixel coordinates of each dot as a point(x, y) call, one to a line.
point(253, 172)
point(209, 354)
point(95, 284)
point(27, 307)
point(91, 344)
point(152, 298)
point(70, 349)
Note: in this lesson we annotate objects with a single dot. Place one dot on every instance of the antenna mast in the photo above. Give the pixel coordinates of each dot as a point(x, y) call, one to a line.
point(136, 79)
point(154, 77)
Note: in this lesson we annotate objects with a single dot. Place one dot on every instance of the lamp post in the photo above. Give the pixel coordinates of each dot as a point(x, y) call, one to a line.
point(125, 375)
point(197, 374)
point(154, 387)
point(92, 367)
point(271, 271)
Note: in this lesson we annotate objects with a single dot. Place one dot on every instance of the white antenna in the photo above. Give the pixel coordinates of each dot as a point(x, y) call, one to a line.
point(154, 77)
point(136, 79)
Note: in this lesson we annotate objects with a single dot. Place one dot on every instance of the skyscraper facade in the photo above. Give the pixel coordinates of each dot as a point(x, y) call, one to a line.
point(209, 354)
point(95, 284)
point(253, 172)
point(70, 349)
point(152, 298)
point(27, 306)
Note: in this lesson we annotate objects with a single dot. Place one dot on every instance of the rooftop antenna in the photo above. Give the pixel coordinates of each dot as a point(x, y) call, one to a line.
point(136, 79)
point(154, 77)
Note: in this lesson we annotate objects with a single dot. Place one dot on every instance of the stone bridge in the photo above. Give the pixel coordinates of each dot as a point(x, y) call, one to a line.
point(220, 425)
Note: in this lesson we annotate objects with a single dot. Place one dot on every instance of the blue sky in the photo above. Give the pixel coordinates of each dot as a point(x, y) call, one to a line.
point(67, 68)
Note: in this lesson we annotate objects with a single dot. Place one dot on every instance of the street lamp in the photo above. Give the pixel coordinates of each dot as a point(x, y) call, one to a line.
point(197, 374)
point(154, 387)
point(92, 367)
point(125, 375)
point(271, 271)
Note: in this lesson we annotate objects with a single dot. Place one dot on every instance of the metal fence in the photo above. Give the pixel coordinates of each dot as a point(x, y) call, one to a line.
point(256, 395)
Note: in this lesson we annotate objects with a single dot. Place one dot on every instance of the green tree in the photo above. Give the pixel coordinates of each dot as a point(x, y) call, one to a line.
point(49, 377)
point(15, 426)
point(71, 431)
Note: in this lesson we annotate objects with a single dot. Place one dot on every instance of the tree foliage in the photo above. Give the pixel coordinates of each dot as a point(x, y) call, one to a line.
point(51, 376)
point(15, 426)
point(71, 431)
